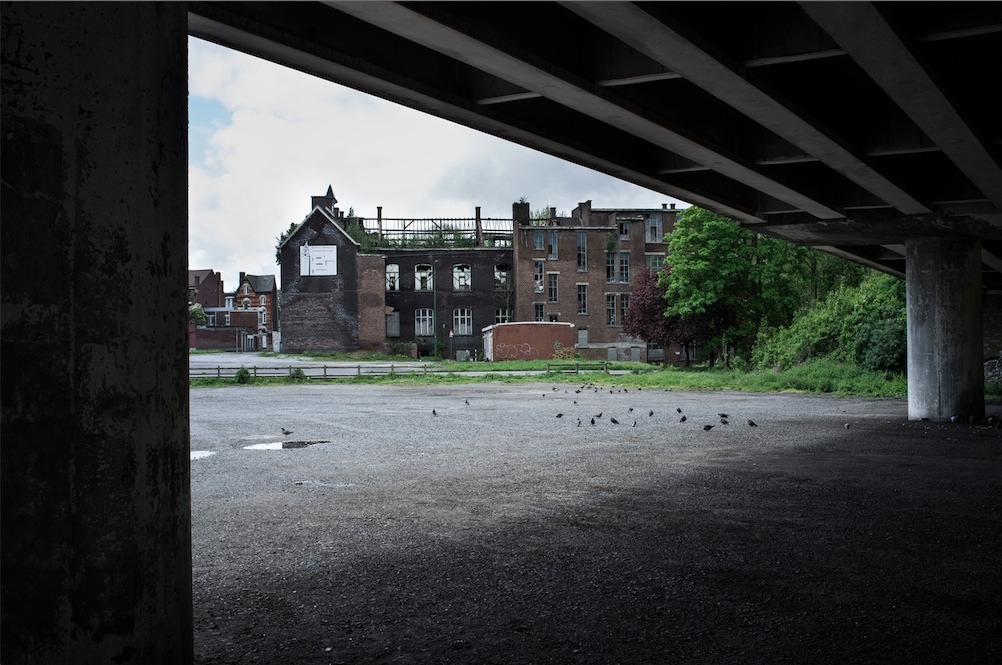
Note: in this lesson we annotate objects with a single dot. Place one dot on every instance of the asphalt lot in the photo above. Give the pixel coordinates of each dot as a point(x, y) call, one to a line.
point(405, 525)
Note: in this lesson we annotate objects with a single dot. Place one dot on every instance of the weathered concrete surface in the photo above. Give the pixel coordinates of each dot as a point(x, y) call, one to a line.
point(495, 532)
point(95, 485)
point(945, 371)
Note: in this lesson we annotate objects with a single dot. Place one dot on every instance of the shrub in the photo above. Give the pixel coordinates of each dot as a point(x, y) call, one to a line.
point(243, 375)
point(296, 375)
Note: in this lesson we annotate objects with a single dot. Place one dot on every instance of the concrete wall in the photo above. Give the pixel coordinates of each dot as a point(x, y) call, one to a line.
point(95, 542)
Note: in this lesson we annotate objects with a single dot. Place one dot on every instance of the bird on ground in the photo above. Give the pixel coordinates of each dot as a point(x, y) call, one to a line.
point(707, 428)
point(575, 401)
point(560, 415)
point(723, 415)
point(592, 421)
point(634, 424)
point(286, 432)
point(467, 402)
point(579, 422)
point(613, 421)
point(651, 413)
point(678, 410)
point(630, 410)
point(723, 421)
point(682, 419)
point(751, 423)
point(598, 415)
point(434, 412)
point(846, 426)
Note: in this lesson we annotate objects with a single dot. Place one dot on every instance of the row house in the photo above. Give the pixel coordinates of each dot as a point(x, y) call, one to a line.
point(440, 283)
point(243, 320)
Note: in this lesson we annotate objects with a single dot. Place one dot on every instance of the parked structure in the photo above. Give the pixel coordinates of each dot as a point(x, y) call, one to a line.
point(442, 281)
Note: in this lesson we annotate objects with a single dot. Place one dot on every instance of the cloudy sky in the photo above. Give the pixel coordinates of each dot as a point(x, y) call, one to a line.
point(263, 139)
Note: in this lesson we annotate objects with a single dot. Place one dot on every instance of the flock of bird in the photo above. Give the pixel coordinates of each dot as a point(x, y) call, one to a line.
point(593, 420)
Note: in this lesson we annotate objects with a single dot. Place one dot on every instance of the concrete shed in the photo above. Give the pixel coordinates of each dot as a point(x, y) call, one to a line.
point(527, 340)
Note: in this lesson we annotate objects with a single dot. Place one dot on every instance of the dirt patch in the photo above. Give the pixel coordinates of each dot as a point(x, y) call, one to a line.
point(494, 532)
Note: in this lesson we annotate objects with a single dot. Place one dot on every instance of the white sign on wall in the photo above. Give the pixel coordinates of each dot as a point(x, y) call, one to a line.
point(317, 260)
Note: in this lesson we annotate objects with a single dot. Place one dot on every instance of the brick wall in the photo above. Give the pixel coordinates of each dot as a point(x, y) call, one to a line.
point(371, 302)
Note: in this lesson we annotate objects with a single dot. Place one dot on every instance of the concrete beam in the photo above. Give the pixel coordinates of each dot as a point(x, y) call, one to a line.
point(96, 531)
point(702, 66)
point(869, 40)
point(583, 96)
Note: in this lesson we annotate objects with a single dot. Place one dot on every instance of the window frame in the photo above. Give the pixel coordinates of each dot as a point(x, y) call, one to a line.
point(539, 312)
point(624, 267)
point(552, 287)
point(582, 298)
point(582, 251)
point(393, 277)
point(462, 322)
point(538, 271)
point(610, 310)
point(424, 320)
point(419, 270)
point(459, 271)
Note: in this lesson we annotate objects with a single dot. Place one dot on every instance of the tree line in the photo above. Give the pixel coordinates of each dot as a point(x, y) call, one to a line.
point(728, 294)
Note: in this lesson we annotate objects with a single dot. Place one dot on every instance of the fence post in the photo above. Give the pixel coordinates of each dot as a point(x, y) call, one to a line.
point(325, 371)
point(391, 369)
point(219, 372)
point(359, 369)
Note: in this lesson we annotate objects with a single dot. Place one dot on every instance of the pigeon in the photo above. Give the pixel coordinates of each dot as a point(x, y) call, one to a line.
point(467, 402)
point(723, 415)
point(751, 423)
point(579, 422)
point(678, 410)
point(434, 412)
point(575, 401)
point(723, 421)
point(286, 432)
point(707, 428)
point(598, 415)
point(630, 410)
point(613, 421)
point(634, 424)
point(846, 426)
point(592, 421)
point(560, 415)
point(651, 413)
point(682, 419)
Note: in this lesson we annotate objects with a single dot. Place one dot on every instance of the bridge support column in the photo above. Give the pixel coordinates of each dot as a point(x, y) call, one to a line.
point(945, 374)
point(96, 536)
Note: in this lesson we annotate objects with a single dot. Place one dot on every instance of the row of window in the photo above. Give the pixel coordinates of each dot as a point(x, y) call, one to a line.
point(462, 277)
point(462, 321)
point(614, 316)
point(654, 233)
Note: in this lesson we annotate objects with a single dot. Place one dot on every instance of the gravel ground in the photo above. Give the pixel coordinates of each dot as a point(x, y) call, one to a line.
point(495, 532)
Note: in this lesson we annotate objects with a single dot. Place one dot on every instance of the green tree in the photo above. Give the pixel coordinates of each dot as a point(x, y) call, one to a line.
point(197, 315)
point(281, 239)
point(733, 280)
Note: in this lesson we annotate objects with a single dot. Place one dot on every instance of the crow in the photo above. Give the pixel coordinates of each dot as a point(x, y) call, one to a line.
point(598, 415)
point(707, 428)
point(751, 423)
point(682, 419)
point(723, 421)
point(592, 421)
point(613, 421)
point(467, 402)
point(630, 410)
point(434, 412)
point(678, 410)
point(651, 413)
point(286, 432)
point(560, 415)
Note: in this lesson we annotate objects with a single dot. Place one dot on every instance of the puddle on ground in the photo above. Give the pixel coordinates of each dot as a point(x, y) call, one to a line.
point(321, 483)
point(279, 445)
point(200, 454)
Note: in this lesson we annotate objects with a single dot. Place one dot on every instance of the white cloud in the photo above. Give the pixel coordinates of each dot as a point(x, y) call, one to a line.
point(288, 135)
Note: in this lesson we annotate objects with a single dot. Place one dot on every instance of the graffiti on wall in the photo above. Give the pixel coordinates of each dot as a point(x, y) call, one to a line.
point(523, 351)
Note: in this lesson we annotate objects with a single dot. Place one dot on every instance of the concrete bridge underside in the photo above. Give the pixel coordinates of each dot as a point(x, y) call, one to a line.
point(873, 132)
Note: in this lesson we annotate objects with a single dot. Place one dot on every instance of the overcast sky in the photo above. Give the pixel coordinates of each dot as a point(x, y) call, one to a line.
point(263, 139)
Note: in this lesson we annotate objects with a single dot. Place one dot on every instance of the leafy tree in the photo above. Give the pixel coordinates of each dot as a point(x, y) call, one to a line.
point(727, 282)
point(859, 325)
point(280, 239)
point(197, 315)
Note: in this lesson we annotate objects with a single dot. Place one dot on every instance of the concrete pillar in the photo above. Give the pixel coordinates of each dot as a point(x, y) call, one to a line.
point(96, 538)
point(945, 374)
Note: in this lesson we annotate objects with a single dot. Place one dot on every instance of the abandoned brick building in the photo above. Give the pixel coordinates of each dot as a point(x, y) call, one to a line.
point(430, 286)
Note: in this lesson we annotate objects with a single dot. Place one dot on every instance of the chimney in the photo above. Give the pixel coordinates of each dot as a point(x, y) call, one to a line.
point(672, 206)
point(664, 206)
point(520, 213)
point(242, 275)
